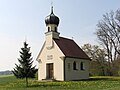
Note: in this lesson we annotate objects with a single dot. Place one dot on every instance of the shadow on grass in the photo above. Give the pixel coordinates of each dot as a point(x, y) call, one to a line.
point(98, 79)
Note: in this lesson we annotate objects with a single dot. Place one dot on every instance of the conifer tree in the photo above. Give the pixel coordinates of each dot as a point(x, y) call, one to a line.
point(25, 69)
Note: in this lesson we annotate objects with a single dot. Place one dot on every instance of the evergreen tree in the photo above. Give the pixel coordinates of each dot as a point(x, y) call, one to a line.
point(25, 69)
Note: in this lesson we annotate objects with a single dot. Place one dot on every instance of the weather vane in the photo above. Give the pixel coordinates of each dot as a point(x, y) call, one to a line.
point(51, 6)
point(51, 3)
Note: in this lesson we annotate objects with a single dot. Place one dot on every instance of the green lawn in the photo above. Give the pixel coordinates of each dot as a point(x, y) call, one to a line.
point(95, 83)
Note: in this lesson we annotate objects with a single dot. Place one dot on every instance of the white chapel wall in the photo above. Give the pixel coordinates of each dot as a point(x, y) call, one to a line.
point(53, 55)
point(78, 74)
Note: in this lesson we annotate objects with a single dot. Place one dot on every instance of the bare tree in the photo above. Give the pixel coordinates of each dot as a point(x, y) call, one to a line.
point(108, 33)
point(98, 56)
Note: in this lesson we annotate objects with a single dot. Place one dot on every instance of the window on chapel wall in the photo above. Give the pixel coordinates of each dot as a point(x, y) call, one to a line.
point(74, 66)
point(82, 67)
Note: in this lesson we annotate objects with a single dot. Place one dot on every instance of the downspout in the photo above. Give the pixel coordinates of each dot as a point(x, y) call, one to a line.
point(64, 68)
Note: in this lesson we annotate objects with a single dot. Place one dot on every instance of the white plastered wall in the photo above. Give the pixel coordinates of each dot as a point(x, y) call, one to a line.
point(56, 59)
point(78, 74)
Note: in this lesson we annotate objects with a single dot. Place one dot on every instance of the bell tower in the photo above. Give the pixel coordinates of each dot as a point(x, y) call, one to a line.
point(52, 23)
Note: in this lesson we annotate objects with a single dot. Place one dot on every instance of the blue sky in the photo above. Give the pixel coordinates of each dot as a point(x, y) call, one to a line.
point(21, 19)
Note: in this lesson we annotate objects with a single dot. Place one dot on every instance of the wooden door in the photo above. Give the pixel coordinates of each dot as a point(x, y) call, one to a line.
point(49, 70)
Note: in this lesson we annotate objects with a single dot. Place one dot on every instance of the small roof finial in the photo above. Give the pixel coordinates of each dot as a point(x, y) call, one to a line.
point(25, 38)
point(72, 38)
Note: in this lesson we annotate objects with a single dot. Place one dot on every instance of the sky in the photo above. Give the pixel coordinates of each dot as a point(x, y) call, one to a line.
point(22, 20)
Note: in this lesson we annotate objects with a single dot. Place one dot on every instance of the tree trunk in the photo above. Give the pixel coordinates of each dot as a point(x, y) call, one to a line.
point(26, 82)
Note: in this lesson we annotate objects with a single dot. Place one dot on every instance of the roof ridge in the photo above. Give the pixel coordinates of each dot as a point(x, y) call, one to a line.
point(67, 38)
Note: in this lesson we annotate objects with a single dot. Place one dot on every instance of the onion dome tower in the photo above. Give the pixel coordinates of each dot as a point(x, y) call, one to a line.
point(52, 22)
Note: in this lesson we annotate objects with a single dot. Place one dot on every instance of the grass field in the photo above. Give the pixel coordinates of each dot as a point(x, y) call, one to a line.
point(95, 83)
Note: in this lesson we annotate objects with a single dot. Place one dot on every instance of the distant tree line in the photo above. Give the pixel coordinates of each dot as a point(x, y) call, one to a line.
point(106, 56)
point(6, 72)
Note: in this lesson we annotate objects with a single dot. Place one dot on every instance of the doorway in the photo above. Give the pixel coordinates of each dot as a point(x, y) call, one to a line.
point(49, 71)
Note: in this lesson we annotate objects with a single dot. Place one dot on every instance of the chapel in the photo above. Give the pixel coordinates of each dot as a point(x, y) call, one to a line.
point(60, 58)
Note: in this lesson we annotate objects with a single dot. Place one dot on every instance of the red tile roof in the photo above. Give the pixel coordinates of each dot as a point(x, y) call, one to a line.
point(70, 48)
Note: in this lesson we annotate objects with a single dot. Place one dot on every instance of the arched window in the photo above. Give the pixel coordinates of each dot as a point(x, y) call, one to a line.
point(74, 66)
point(55, 29)
point(48, 29)
point(82, 66)
point(68, 66)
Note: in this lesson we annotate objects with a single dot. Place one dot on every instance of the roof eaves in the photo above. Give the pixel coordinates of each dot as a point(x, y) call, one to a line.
point(78, 58)
point(40, 51)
